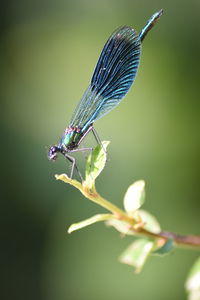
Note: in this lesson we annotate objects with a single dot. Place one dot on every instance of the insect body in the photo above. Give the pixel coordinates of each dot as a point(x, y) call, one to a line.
point(113, 76)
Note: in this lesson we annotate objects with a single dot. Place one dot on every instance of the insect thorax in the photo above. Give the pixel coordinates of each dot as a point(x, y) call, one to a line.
point(71, 138)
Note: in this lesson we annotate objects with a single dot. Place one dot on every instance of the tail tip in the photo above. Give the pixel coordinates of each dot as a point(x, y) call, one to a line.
point(160, 12)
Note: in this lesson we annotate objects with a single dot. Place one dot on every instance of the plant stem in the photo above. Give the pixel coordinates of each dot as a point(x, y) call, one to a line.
point(182, 241)
point(192, 241)
point(95, 197)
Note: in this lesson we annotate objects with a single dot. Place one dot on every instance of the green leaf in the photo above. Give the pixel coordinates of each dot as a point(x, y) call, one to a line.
point(166, 249)
point(150, 222)
point(95, 163)
point(137, 253)
point(120, 226)
point(90, 221)
point(135, 196)
point(193, 281)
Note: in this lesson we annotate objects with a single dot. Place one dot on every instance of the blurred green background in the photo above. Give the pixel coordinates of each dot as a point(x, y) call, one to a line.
point(48, 51)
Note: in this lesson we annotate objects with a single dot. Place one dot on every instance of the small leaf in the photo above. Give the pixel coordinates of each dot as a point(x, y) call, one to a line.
point(137, 253)
point(135, 196)
point(166, 249)
point(150, 222)
point(95, 163)
point(90, 221)
point(193, 281)
point(120, 226)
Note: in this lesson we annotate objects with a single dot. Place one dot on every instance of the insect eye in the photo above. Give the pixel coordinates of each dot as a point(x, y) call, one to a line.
point(52, 154)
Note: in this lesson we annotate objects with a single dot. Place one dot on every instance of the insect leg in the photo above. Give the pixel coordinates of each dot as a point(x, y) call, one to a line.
point(82, 150)
point(73, 162)
point(97, 138)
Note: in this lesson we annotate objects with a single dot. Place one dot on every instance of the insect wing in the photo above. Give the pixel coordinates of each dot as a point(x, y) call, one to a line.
point(114, 74)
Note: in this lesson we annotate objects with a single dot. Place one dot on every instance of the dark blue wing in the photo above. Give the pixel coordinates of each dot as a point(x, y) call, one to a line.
point(117, 65)
point(114, 74)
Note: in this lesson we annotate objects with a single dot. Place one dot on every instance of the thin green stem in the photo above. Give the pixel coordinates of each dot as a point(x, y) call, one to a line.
point(182, 241)
point(95, 197)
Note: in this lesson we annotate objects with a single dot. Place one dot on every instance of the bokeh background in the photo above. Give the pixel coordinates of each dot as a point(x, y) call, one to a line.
point(48, 50)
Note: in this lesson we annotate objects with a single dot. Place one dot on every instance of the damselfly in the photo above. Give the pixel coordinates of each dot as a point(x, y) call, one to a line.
point(113, 76)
